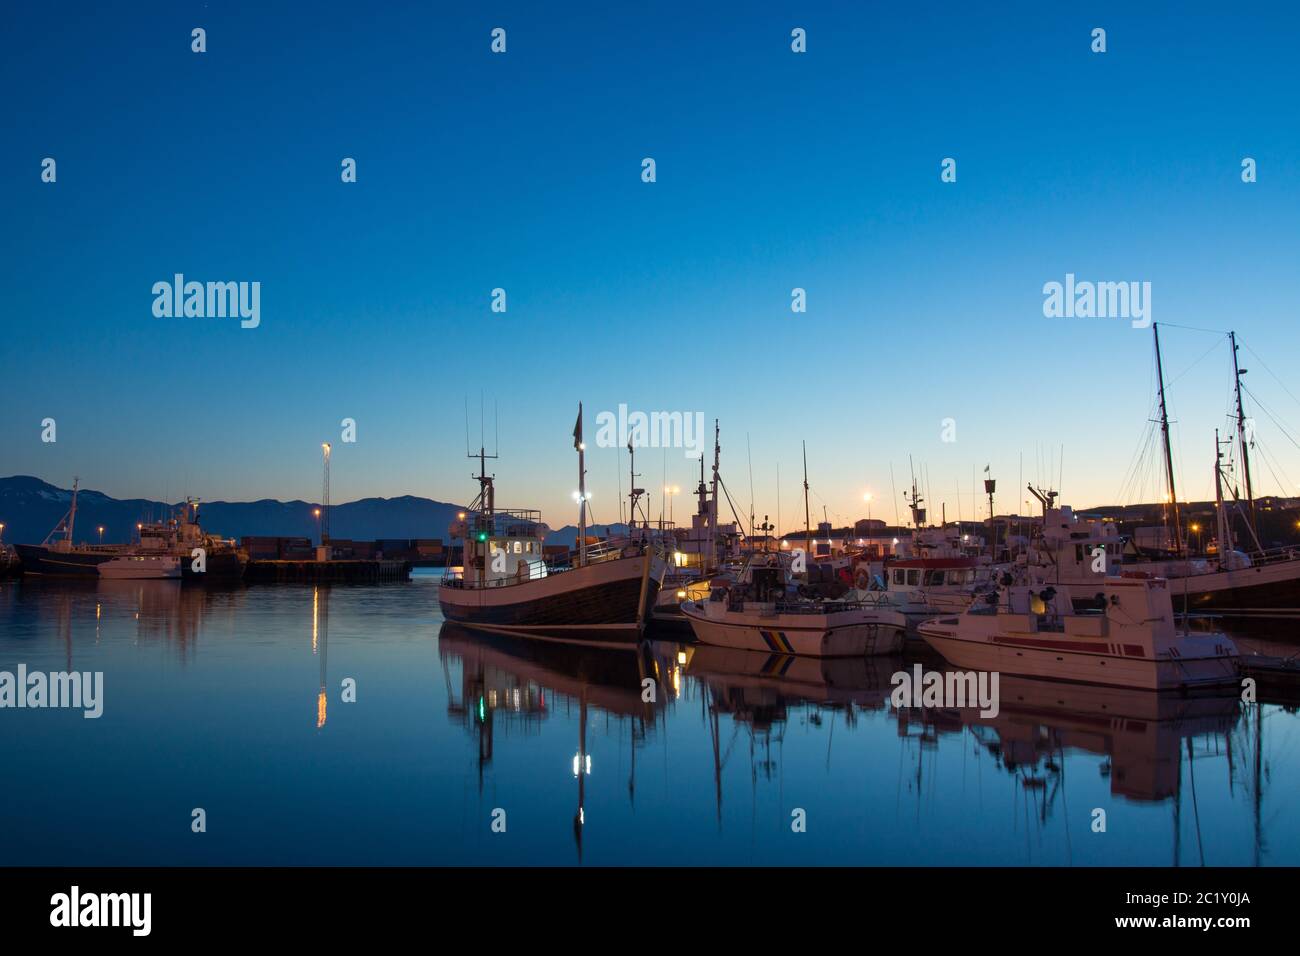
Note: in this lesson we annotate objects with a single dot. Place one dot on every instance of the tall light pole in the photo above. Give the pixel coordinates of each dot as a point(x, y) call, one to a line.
point(100, 529)
point(316, 512)
point(325, 498)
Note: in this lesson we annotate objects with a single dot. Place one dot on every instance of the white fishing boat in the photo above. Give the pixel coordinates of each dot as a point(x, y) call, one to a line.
point(1129, 639)
point(141, 566)
point(763, 611)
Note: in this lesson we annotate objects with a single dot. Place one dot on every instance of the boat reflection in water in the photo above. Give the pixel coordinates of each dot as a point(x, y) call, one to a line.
point(518, 682)
point(1141, 733)
point(1149, 747)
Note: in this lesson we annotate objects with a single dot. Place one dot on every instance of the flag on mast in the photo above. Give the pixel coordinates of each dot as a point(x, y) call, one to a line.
point(577, 429)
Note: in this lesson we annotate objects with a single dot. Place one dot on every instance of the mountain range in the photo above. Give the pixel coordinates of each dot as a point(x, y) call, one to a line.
point(30, 508)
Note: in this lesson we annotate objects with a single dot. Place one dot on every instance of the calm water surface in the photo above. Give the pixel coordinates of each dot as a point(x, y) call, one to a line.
point(213, 699)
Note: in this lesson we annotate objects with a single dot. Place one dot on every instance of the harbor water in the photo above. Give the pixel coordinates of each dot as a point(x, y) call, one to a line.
point(345, 724)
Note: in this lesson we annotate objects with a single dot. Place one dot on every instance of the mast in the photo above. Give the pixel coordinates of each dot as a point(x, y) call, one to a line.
point(1242, 438)
point(1164, 433)
point(72, 512)
point(582, 489)
point(713, 489)
point(807, 521)
point(1223, 528)
point(702, 513)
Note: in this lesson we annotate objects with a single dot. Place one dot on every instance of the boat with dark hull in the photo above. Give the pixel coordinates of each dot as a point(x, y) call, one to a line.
point(602, 593)
point(58, 556)
point(204, 558)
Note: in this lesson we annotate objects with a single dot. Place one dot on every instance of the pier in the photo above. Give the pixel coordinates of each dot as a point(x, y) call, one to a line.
point(339, 572)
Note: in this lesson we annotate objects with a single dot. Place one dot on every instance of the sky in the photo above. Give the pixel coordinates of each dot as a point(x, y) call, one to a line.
point(775, 170)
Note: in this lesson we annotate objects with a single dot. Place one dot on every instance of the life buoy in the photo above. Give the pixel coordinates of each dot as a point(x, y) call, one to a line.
point(863, 581)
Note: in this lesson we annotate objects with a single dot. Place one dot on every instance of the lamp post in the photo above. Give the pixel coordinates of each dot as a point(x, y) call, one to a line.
point(316, 514)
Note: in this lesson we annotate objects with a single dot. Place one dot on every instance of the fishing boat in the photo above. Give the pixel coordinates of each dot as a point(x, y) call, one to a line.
point(764, 610)
point(141, 566)
point(201, 556)
point(601, 593)
point(704, 551)
point(59, 556)
point(1129, 639)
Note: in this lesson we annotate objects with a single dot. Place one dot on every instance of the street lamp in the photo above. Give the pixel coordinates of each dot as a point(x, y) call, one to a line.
point(100, 529)
point(316, 514)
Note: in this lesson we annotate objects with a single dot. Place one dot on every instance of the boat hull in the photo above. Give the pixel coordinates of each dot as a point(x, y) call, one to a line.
point(38, 559)
point(843, 634)
point(126, 570)
point(1265, 590)
point(223, 567)
point(1052, 659)
point(605, 602)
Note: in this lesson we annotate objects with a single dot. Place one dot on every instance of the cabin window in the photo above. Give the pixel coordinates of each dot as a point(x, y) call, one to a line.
point(933, 578)
point(899, 575)
point(519, 547)
point(913, 577)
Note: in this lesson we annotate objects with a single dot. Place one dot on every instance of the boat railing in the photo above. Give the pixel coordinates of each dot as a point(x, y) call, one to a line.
point(1274, 555)
point(596, 552)
point(824, 607)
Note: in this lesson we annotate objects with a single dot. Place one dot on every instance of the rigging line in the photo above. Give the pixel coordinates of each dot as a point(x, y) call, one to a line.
point(1267, 411)
point(1193, 365)
point(1192, 328)
point(1268, 462)
point(1270, 372)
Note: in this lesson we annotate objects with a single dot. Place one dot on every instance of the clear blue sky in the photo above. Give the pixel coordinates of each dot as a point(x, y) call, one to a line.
point(522, 170)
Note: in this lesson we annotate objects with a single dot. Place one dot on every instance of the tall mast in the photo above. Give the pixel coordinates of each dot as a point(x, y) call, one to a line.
point(634, 494)
point(582, 489)
point(702, 513)
point(1223, 528)
point(1164, 434)
point(1242, 438)
point(72, 512)
point(807, 521)
point(713, 489)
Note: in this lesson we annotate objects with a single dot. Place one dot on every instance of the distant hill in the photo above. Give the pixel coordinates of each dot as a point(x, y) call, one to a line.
point(30, 508)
